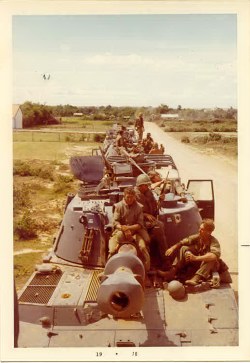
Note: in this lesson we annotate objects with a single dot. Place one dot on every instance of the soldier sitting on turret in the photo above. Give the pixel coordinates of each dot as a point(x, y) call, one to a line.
point(155, 149)
point(154, 227)
point(174, 186)
point(201, 251)
point(138, 149)
point(120, 141)
point(128, 222)
point(162, 148)
point(148, 143)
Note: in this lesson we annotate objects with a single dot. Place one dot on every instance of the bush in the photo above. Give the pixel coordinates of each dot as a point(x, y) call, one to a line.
point(201, 139)
point(99, 137)
point(63, 167)
point(23, 168)
point(26, 227)
point(229, 140)
point(21, 197)
point(228, 129)
point(214, 137)
point(185, 139)
point(68, 138)
point(65, 178)
point(44, 172)
point(46, 225)
point(62, 183)
point(82, 137)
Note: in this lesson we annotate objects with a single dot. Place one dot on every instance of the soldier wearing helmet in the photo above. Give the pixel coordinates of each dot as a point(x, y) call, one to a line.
point(128, 223)
point(155, 149)
point(154, 227)
point(148, 143)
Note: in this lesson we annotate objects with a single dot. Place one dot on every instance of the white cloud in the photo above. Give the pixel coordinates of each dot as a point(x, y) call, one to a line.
point(133, 78)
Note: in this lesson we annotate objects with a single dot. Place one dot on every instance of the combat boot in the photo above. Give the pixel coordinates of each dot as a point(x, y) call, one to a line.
point(195, 280)
point(167, 275)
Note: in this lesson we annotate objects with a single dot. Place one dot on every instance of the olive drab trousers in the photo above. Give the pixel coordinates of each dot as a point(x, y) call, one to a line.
point(118, 238)
point(140, 133)
point(156, 234)
point(204, 269)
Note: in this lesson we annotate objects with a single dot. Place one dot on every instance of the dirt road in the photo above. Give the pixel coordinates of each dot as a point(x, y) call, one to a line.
point(195, 165)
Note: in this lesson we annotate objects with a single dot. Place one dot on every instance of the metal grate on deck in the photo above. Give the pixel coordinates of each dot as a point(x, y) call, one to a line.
point(43, 279)
point(37, 294)
point(41, 288)
point(93, 287)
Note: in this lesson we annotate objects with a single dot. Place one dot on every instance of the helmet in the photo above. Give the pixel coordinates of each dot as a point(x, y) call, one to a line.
point(176, 289)
point(142, 179)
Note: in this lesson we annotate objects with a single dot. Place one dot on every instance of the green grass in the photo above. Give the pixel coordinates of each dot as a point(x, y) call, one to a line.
point(55, 136)
point(24, 266)
point(85, 125)
point(48, 150)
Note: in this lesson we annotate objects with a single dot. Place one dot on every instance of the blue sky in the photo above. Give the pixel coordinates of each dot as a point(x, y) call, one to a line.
point(137, 60)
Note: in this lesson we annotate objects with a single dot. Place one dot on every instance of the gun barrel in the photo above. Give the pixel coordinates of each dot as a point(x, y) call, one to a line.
point(121, 292)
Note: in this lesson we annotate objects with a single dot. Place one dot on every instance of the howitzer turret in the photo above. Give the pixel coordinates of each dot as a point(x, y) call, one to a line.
point(121, 293)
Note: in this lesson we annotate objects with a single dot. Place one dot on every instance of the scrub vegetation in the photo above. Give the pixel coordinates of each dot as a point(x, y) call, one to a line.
point(40, 188)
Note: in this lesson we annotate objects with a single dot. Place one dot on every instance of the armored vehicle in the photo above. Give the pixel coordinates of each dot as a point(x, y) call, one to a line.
point(77, 297)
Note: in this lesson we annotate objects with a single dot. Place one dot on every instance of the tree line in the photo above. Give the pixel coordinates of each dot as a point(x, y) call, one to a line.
point(35, 114)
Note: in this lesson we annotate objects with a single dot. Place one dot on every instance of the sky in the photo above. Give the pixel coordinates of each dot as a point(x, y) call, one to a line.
point(126, 60)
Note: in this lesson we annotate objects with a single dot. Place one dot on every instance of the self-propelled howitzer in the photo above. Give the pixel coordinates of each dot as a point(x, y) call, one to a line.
point(79, 298)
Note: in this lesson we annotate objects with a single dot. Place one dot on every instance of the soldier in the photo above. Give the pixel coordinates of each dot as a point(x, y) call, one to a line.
point(154, 227)
point(119, 141)
point(138, 148)
point(162, 148)
point(202, 251)
point(127, 223)
point(156, 181)
point(139, 126)
point(148, 143)
point(170, 185)
point(155, 149)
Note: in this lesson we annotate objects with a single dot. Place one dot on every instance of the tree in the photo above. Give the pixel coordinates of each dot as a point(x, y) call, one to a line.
point(162, 109)
point(35, 114)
